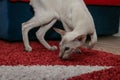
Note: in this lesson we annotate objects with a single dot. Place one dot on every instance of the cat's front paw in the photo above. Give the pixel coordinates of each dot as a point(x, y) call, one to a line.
point(78, 51)
point(28, 49)
point(53, 48)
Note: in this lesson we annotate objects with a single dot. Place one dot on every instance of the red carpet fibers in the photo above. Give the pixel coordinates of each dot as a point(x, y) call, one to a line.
point(110, 74)
point(12, 53)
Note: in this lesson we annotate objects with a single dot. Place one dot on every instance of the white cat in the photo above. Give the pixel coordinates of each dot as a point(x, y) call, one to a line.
point(76, 19)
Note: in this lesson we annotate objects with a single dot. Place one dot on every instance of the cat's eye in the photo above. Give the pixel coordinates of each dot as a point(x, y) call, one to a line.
point(67, 48)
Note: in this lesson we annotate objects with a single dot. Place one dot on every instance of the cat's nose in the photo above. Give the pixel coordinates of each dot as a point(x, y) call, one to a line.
point(61, 56)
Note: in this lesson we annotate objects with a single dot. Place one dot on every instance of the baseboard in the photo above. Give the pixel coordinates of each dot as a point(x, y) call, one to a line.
point(118, 34)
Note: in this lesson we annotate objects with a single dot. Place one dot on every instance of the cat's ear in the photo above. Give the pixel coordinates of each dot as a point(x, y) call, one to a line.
point(80, 37)
point(60, 31)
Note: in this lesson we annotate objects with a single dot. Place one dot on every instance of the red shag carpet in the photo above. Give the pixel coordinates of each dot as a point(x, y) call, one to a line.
point(89, 65)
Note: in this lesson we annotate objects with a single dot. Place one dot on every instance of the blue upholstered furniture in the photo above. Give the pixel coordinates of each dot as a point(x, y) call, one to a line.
point(13, 14)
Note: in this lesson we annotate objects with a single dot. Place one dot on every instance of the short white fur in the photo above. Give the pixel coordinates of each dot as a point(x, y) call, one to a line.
point(76, 20)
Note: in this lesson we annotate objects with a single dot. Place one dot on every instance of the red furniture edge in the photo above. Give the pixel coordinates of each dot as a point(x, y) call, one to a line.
point(91, 2)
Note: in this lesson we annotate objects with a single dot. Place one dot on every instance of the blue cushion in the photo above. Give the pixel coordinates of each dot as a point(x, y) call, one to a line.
point(3, 19)
point(13, 14)
point(106, 19)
